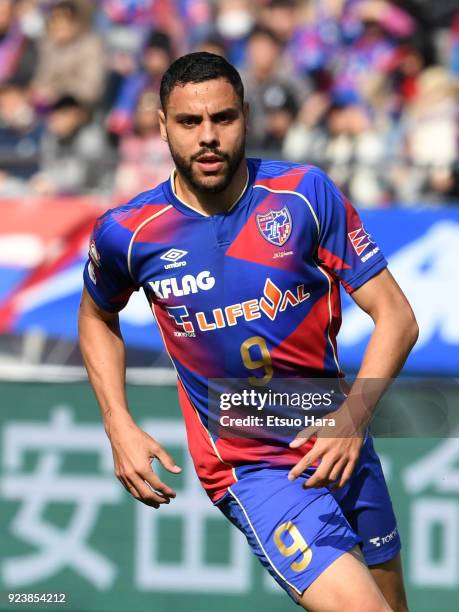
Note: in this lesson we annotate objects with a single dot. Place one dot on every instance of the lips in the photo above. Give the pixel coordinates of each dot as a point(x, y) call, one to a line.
point(209, 158)
point(210, 163)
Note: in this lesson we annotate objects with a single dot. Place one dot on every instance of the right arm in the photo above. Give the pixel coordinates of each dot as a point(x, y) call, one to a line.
point(103, 353)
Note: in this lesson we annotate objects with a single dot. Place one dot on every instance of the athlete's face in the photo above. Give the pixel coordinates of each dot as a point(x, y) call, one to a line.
point(205, 127)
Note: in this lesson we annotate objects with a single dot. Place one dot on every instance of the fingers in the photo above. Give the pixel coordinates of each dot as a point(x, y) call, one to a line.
point(132, 489)
point(302, 437)
point(347, 473)
point(145, 494)
point(332, 468)
point(158, 485)
point(336, 471)
point(142, 493)
point(132, 455)
point(167, 461)
point(327, 472)
point(303, 464)
point(146, 487)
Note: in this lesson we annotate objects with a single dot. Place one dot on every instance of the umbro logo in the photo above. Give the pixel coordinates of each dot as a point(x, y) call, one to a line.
point(174, 255)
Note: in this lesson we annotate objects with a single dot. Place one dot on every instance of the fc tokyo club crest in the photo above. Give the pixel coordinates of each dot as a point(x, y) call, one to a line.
point(275, 226)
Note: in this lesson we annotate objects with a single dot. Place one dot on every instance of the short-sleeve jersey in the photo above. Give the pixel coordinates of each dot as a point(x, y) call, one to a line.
point(264, 275)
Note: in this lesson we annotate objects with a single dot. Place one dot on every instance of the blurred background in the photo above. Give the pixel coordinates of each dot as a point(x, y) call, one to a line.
point(367, 90)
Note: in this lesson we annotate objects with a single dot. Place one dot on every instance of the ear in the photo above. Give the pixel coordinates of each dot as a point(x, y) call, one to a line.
point(162, 124)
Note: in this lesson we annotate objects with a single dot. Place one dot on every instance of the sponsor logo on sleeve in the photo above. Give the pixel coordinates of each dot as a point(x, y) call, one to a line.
point(360, 241)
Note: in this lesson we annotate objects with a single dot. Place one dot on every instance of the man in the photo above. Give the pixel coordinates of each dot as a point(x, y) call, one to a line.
point(265, 69)
point(213, 269)
point(71, 59)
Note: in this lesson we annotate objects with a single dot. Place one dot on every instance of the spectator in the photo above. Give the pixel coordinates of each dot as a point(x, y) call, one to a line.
point(121, 61)
point(264, 69)
point(404, 71)
point(71, 59)
point(371, 53)
point(234, 21)
point(282, 17)
point(144, 157)
point(74, 155)
point(129, 12)
point(141, 14)
point(341, 83)
point(280, 110)
point(196, 18)
point(431, 138)
point(351, 143)
point(20, 135)
point(155, 59)
point(181, 20)
point(31, 19)
point(356, 153)
point(392, 18)
point(17, 51)
point(312, 33)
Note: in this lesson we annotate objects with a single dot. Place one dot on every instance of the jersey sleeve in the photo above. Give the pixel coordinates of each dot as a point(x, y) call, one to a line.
point(344, 247)
point(106, 275)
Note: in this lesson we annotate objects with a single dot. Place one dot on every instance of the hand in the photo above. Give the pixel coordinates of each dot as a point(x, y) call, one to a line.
point(337, 447)
point(133, 451)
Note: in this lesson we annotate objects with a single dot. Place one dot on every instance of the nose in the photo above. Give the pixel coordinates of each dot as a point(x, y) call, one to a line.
point(208, 136)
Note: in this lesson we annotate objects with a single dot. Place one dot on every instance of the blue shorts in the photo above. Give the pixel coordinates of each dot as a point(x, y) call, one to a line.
point(296, 533)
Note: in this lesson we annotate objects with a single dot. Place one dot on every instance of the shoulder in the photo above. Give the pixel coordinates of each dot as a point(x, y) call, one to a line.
point(118, 225)
point(289, 176)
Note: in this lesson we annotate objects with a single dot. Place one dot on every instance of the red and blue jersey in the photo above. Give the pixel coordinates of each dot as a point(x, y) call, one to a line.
point(224, 289)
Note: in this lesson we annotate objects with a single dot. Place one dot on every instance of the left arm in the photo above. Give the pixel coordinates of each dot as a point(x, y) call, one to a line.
point(393, 337)
point(395, 332)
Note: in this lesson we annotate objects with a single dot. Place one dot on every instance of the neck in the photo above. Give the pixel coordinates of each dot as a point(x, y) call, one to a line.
point(212, 203)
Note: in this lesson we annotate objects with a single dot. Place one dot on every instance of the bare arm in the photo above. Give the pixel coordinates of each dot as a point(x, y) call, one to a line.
point(395, 332)
point(393, 337)
point(103, 353)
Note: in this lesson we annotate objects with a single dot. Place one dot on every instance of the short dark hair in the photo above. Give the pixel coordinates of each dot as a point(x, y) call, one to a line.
point(196, 68)
point(66, 101)
point(159, 40)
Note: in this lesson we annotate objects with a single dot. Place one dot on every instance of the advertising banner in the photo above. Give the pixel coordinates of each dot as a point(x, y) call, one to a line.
point(69, 528)
point(43, 246)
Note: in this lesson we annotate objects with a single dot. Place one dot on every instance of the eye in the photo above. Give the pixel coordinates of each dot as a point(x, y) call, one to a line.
point(224, 118)
point(188, 121)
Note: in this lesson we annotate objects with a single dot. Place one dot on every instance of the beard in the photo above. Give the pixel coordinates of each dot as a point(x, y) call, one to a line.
point(224, 177)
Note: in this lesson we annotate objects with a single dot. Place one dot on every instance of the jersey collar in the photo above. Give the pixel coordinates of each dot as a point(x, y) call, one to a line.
point(187, 209)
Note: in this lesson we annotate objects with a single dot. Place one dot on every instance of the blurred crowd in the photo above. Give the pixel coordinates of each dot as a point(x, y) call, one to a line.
point(367, 89)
